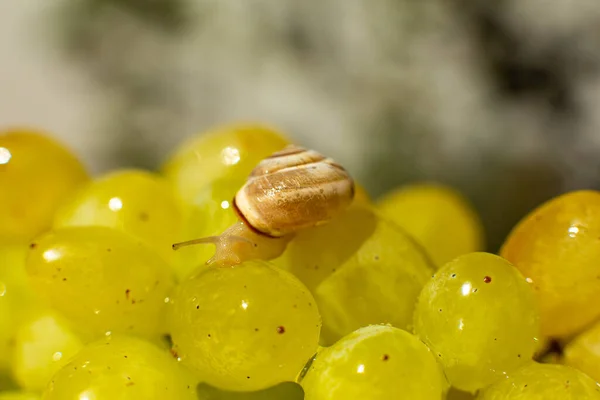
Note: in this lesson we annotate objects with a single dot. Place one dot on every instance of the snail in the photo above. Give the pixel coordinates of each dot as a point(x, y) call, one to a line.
point(292, 190)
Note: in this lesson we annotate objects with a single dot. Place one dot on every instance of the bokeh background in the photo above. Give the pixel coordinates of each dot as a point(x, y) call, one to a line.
point(500, 99)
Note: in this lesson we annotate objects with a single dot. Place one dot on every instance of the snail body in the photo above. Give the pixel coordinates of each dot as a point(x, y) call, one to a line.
point(291, 190)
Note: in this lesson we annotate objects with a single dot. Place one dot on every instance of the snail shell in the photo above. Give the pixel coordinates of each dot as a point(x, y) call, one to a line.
point(291, 190)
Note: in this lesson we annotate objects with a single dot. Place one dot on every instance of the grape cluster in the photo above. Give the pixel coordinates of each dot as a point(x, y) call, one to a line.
point(393, 299)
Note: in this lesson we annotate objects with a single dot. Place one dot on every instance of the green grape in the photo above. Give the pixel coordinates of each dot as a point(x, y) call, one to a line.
point(122, 368)
point(438, 217)
point(137, 202)
point(101, 279)
point(225, 152)
point(316, 253)
point(375, 362)
point(14, 395)
point(36, 175)
point(478, 315)
point(543, 382)
point(583, 352)
point(556, 247)
point(17, 299)
point(41, 347)
point(378, 283)
point(206, 172)
point(244, 328)
point(286, 390)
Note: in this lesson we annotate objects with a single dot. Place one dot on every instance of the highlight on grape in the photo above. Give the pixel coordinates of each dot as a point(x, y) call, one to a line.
point(389, 298)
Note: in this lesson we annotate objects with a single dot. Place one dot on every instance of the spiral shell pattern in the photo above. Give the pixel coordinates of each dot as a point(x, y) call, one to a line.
point(292, 190)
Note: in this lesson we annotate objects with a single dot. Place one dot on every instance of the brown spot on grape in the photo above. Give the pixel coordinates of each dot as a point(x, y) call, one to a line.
point(487, 279)
point(376, 258)
point(453, 275)
point(127, 292)
point(109, 250)
point(174, 353)
point(129, 384)
point(64, 279)
point(255, 329)
point(518, 355)
point(385, 357)
point(125, 356)
point(33, 245)
point(209, 335)
point(144, 216)
point(280, 329)
point(247, 377)
point(197, 307)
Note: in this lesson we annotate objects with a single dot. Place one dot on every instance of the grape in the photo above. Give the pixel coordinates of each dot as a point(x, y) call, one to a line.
point(478, 315)
point(137, 202)
point(316, 253)
point(379, 282)
point(361, 196)
point(583, 352)
point(36, 175)
point(438, 217)
point(101, 279)
point(375, 362)
point(41, 347)
point(207, 171)
point(543, 382)
point(556, 248)
point(286, 390)
point(244, 328)
point(225, 152)
point(17, 299)
point(123, 368)
point(19, 396)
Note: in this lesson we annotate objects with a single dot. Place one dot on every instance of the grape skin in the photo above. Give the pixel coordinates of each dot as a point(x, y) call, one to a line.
point(543, 382)
point(556, 248)
point(137, 202)
point(36, 175)
point(375, 362)
point(42, 346)
point(14, 395)
point(379, 283)
point(583, 352)
point(478, 315)
point(438, 217)
point(286, 390)
point(244, 328)
point(101, 280)
point(123, 368)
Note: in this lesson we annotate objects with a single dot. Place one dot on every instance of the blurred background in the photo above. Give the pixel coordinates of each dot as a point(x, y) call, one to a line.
point(500, 99)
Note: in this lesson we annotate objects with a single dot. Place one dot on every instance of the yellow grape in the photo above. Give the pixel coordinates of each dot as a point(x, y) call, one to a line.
point(224, 152)
point(478, 316)
point(42, 346)
point(286, 390)
point(556, 248)
point(438, 217)
point(583, 352)
point(36, 175)
point(122, 368)
point(101, 279)
point(17, 299)
point(543, 382)
point(134, 201)
point(378, 283)
point(316, 253)
point(244, 328)
point(375, 362)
